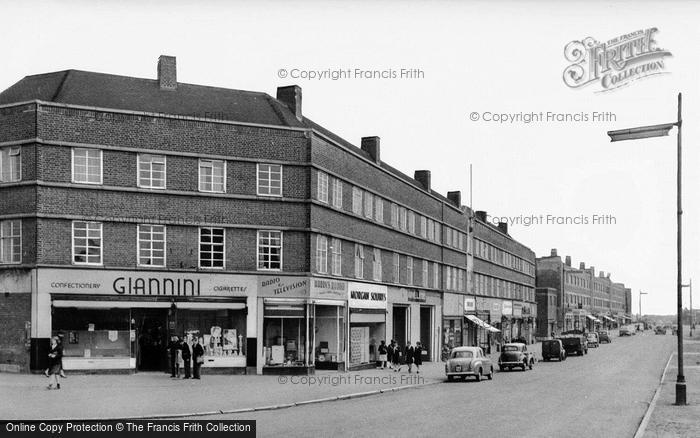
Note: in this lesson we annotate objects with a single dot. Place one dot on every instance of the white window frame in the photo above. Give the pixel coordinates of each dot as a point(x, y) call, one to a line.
point(15, 225)
point(211, 163)
point(322, 187)
point(423, 227)
point(357, 201)
point(139, 162)
point(411, 222)
point(321, 254)
point(424, 281)
point(269, 172)
point(394, 215)
point(223, 250)
point(281, 249)
point(368, 205)
point(87, 174)
point(377, 264)
point(359, 261)
point(337, 256)
point(6, 153)
point(87, 231)
point(402, 219)
point(138, 245)
point(337, 193)
point(409, 270)
point(379, 209)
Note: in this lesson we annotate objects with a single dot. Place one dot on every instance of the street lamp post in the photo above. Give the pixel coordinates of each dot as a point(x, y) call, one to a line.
point(640, 305)
point(659, 131)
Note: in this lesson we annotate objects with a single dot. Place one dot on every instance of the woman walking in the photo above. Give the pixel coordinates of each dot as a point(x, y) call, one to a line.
point(382, 355)
point(55, 359)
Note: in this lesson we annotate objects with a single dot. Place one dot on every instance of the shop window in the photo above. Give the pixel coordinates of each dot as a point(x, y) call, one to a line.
point(377, 264)
point(151, 170)
point(211, 248)
point(93, 333)
point(87, 166)
point(10, 241)
point(337, 193)
point(270, 180)
point(87, 243)
point(212, 176)
point(284, 333)
point(359, 261)
point(322, 187)
point(321, 254)
point(269, 250)
point(220, 332)
point(151, 245)
point(337, 251)
point(10, 164)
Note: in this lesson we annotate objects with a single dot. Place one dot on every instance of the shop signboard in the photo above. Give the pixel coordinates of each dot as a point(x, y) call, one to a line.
point(507, 308)
point(283, 287)
point(329, 289)
point(517, 309)
point(134, 283)
point(527, 310)
point(367, 296)
point(469, 305)
point(416, 296)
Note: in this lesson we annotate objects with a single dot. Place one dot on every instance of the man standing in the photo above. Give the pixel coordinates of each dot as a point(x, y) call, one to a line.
point(186, 356)
point(173, 348)
point(409, 356)
point(390, 354)
point(198, 357)
point(417, 356)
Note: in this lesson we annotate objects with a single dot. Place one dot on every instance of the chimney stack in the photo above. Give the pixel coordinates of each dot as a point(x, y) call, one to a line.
point(167, 72)
point(455, 198)
point(503, 226)
point(481, 215)
point(582, 266)
point(601, 274)
point(291, 97)
point(553, 253)
point(371, 146)
point(567, 261)
point(423, 177)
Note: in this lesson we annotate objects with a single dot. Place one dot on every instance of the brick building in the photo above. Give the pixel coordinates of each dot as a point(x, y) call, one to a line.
point(138, 209)
point(585, 301)
point(504, 286)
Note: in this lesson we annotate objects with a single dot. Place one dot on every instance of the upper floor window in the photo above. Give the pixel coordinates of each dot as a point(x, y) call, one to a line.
point(424, 274)
point(359, 261)
point(321, 254)
point(337, 193)
point(409, 270)
point(378, 209)
point(337, 251)
point(11, 241)
point(269, 250)
point(411, 222)
point(423, 227)
point(151, 245)
point(402, 218)
point(377, 265)
point(87, 166)
point(270, 180)
point(212, 176)
point(322, 187)
point(211, 248)
point(369, 203)
point(436, 276)
point(356, 200)
point(151, 171)
point(431, 230)
point(394, 215)
point(396, 278)
point(87, 243)
point(10, 164)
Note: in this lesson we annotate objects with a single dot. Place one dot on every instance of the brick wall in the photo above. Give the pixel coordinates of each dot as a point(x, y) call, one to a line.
point(17, 123)
point(15, 312)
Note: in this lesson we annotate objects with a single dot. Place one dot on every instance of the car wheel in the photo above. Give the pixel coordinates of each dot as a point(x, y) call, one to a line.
point(478, 375)
point(450, 378)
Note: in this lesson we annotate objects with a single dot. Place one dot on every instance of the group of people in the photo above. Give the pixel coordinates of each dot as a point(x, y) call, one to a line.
point(185, 357)
point(392, 356)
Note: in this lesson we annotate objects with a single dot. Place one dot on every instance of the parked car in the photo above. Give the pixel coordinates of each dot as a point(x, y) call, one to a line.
point(574, 343)
point(468, 361)
point(604, 336)
point(625, 331)
point(659, 330)
point(553, 349)
point(592, 340)
point(515, 355)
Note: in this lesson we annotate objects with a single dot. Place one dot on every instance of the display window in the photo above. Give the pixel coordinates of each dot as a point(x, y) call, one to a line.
point(285, 332)
point(330, 336)
point(220, 332)
point(367, 330)
point(93, 333)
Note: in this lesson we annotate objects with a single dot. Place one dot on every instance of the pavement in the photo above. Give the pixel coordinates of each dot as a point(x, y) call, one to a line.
point(666, 419)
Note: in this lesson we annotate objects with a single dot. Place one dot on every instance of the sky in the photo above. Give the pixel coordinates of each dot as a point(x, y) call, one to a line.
point(469, 60)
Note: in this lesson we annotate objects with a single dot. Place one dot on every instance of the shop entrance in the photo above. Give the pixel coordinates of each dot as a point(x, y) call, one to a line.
point(426, 332)
point(151, 333)
point(400, 325)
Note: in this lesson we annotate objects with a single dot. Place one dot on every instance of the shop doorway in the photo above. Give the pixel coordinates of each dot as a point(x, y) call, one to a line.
point(400, 325)
point(151, 334)
point(426, 332)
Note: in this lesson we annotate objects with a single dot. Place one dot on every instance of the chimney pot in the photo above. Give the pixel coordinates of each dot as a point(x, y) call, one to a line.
point(167, 72)
point(481, 215)
point(553, 253)
point(423, 177)
point(291, 97)
point(503, 226)
point(582, 266)
point(371, 146)
point(455, 198)
point(567, 261)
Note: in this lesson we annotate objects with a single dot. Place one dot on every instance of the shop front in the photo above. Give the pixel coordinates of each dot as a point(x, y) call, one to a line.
point(490, 311)
point(302, 321)
point(124, 320)
point(507, 319)
point(517, 320)
point(452, 322)
point(529, 325)
point(367, 304)
point(415, 316)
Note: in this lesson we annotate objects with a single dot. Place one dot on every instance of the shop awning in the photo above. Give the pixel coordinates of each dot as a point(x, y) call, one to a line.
point(608, 318)
point(591, 317)
point(482, 324)
point(84, 304)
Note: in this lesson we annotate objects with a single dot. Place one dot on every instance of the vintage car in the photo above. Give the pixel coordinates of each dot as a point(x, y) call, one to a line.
point(553, 349)
point(592, 340)
point(574, 343)
point(515, 355)
point(468, 361)
point(626, 331)
point(604, 336)
point(659, 330)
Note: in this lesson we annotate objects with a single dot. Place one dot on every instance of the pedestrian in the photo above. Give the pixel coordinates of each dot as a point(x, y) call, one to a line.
point(397, 358)
point(55, 357)
point(390, 354)
point(409, 356)
point(173, 349)
point(417, 359)
point(198, 356)
point(382, 355)
point(61, 372)
point(186, 357)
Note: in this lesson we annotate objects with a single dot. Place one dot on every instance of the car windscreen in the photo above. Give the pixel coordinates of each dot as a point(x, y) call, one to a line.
point(462, 355)
point(510, 348)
